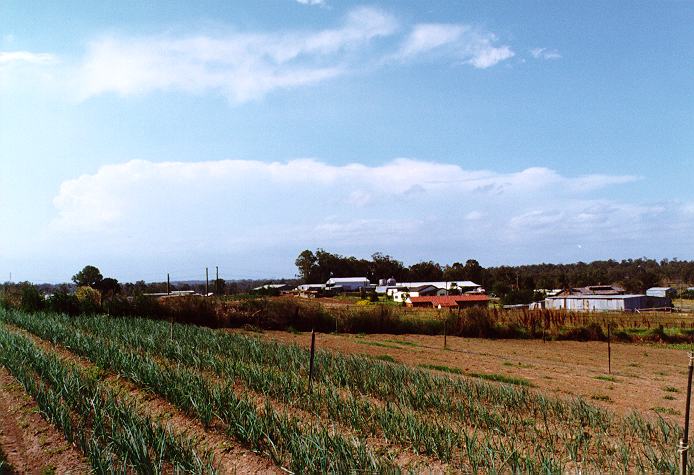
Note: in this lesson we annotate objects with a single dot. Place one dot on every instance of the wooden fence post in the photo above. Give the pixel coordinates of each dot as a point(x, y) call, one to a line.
point(445, 328)
point(684, 443)
point(310, 367)
point(609, 348)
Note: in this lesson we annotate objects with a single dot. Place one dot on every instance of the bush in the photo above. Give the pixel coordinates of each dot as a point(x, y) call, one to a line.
point(89, 299)
point(63, 302)
point(31, 299)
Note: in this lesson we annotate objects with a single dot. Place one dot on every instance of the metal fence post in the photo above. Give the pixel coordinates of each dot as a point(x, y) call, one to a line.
point(684, 443)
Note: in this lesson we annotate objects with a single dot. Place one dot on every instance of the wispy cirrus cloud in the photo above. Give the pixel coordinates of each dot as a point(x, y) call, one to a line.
point(545, 53)
point(462, 42)
point(311, 2)
point(247, 65)
point(27, 57)
point(242, 66)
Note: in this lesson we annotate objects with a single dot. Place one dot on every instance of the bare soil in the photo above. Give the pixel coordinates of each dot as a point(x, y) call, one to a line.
point(647, 378)
point(31, 443)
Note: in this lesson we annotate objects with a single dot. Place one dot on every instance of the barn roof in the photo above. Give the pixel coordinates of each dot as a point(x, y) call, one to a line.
point(449, 300)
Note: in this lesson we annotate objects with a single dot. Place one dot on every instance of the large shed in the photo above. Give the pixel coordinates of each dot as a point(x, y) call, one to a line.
point(349, 284)
point(605, 303)
point(661, 292)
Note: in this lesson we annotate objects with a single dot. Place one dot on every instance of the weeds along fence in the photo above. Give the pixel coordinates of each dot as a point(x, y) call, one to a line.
point(290, 313)
point(287, 313)
point(363, 413)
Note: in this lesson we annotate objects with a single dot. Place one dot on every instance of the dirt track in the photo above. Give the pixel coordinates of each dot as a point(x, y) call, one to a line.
point(644, 377)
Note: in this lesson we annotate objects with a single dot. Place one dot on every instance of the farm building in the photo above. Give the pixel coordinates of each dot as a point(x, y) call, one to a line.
point(449, 301)
point(461, 285)
point(661, 292)
point(421, 291)
point(349, 284)
point(593, 290)
point(277, 287)
point(605, 303)
point(173, 293)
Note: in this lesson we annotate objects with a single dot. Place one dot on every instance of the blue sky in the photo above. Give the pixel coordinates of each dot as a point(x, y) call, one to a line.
point(154, 137)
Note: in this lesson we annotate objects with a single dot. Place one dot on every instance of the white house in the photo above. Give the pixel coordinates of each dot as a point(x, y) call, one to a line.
point(421, 291)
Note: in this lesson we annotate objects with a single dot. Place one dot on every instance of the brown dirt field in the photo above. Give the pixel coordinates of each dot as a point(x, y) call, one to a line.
point(643, 375)
point(31, 443)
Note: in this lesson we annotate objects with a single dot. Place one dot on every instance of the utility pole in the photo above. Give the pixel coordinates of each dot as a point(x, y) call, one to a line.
point(207, 282)
point(216, 282)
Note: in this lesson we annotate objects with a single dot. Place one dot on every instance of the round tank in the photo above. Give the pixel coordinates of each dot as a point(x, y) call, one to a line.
point(391, 281)
point(381, 282)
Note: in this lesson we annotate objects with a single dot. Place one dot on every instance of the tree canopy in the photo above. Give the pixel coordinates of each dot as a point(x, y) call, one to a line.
point(89, 276)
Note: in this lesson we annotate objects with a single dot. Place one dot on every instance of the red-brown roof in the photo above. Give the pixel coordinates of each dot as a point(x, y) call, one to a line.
point(449, 300)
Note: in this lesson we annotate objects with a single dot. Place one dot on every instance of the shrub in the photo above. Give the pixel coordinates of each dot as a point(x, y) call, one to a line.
point(31, 299)
point(63, 302)
point(89, 299)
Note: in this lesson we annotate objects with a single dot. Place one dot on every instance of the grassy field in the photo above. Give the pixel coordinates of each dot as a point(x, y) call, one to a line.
point(100, 381)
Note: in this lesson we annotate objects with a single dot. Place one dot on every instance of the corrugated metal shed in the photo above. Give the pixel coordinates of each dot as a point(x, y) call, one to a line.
point(661, 292)
point(598, 303)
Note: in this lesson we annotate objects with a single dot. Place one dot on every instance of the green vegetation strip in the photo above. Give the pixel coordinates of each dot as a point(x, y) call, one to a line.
point(470, 424)
point(500, 378)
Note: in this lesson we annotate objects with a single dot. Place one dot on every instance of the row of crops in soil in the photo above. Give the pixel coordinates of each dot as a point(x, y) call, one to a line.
point(361, 414)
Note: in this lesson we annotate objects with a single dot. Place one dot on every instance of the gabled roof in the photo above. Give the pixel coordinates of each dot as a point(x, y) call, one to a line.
point(348, 279)
point(449, 300)
point(422, 288)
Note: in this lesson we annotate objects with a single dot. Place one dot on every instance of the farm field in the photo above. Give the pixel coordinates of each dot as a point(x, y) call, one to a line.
point(649, 378)
point(144, 396)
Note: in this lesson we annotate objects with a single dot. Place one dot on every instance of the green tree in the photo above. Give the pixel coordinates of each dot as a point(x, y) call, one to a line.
point(109, 287)
point(306, 263)
point(89, 276)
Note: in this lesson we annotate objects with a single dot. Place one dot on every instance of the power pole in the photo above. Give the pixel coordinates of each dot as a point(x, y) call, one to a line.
point(216, 282)
point(168, 284)
point(207, 282)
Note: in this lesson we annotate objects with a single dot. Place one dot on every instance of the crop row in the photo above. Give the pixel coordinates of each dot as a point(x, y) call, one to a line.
point(282, 436)
point(109, 430)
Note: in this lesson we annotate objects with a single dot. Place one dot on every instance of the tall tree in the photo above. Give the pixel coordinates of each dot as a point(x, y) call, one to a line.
point(89, 276)
point(306, 263)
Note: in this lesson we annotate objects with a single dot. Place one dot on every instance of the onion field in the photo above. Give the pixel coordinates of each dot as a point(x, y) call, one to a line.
point(360, 414)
